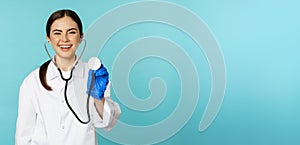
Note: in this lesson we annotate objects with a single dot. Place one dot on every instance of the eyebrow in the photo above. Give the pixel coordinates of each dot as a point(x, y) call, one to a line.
point(67, 30)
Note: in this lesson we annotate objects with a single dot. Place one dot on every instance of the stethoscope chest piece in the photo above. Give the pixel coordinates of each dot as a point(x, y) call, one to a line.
point(94, 63)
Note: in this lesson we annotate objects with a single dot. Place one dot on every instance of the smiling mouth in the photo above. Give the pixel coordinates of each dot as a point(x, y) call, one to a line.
point(65, 47)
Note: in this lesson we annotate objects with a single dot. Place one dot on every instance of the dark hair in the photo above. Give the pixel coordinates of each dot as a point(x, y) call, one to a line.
point(54, 16)
point(42, 75)
point(60, 14)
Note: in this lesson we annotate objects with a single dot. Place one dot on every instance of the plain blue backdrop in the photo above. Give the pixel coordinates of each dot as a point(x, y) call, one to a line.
point(259, 41)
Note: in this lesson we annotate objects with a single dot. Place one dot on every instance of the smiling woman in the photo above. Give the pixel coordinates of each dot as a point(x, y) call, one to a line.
point(49, 111)
point(65, 34)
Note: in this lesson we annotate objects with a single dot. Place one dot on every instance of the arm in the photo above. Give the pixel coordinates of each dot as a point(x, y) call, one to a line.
point(26, 116)
point(99, 105)
point(107, 111)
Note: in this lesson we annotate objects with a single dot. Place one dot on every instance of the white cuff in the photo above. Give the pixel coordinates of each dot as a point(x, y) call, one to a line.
point(111, 114)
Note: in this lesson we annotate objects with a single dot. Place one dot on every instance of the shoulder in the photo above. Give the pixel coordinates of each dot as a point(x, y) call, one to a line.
point(81, 69)
point(82, 64)
point(31, 78)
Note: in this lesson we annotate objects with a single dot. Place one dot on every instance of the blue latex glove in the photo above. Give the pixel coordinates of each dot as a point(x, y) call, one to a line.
point(100, 82)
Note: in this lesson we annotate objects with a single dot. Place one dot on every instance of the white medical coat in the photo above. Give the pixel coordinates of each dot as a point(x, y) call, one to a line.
point(44, 117)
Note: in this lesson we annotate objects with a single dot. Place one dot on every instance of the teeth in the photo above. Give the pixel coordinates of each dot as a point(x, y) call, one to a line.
point(64, 46)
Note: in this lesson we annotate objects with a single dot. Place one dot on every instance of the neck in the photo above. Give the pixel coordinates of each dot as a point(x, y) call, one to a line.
point(65, 64)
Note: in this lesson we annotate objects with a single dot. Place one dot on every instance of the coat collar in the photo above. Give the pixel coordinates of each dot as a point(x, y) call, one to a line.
point(52, 71)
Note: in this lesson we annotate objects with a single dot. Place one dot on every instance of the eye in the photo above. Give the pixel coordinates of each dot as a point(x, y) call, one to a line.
point(72, 32)
point(56, 33)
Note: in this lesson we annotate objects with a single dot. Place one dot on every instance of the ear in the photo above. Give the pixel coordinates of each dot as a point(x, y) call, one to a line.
point(81, 37)
point(48, 39)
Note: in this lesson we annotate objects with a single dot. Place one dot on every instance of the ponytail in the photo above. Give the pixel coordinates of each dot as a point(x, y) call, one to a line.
point(42, 74)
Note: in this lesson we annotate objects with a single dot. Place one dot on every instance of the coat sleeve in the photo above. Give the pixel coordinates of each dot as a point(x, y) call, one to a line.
point(111, 112)
point(26, 119)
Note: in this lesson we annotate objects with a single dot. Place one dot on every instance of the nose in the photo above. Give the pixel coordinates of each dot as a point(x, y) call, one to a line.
point(65, 37)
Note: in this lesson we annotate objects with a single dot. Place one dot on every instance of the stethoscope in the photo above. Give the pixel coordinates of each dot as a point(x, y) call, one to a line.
point(93, 64)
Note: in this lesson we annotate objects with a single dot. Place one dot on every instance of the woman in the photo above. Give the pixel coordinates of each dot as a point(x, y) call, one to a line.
point(48, 113)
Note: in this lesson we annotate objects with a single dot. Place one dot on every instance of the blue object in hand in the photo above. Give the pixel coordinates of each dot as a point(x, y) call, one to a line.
point(99, 83)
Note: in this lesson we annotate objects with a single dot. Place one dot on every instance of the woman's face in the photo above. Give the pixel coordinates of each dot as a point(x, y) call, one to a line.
point(64, 37)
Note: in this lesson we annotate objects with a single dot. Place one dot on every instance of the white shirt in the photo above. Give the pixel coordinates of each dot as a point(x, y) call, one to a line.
point(44, 117)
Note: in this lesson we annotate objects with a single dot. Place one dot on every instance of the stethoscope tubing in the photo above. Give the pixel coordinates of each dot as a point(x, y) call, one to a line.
point(83, 50)
point(67, 81)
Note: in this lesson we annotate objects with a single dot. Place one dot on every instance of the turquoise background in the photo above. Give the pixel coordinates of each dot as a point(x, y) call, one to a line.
point(259, 41)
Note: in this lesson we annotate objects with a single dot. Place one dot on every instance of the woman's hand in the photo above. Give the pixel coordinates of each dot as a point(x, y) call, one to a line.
point(97, 81)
